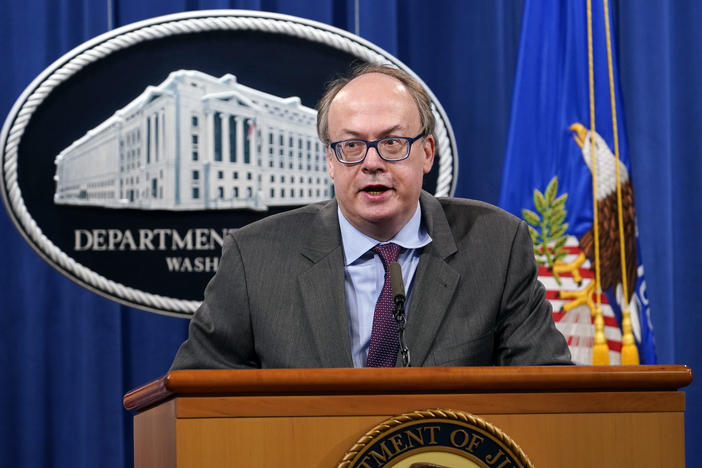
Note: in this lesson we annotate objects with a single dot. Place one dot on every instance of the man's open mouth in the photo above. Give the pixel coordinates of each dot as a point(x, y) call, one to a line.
point(376, 189)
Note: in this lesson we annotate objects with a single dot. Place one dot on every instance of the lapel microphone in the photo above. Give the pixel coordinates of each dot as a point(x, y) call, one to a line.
point(398, 294)
point(398, 286)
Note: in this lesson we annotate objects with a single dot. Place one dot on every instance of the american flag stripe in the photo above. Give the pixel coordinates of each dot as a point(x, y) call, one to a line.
point(609, 321)
point(612, 345)
point(577, 324)
point(571, 247)
point(552, 296)
point(585, 273)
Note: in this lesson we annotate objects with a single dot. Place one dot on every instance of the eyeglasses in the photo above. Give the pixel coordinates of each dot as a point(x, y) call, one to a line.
point(389, 148)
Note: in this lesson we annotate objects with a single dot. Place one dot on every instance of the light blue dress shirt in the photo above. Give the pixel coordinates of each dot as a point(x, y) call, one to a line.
point(364, 276)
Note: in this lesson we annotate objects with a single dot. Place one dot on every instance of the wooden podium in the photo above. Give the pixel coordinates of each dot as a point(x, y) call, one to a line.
point(560, 416)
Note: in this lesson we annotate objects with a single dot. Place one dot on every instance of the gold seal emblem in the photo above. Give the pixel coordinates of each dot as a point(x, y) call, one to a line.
point(435, 438)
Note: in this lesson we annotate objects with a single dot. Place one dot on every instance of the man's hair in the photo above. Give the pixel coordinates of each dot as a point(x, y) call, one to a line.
point(416, 90)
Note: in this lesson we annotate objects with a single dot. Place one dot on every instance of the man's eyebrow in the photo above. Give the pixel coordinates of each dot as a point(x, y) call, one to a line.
point(384, 133)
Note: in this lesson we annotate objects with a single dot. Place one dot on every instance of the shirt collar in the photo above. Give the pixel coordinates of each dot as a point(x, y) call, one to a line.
point(411, 236)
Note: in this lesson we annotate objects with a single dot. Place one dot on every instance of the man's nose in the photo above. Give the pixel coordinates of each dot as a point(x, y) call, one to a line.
point(373, 161)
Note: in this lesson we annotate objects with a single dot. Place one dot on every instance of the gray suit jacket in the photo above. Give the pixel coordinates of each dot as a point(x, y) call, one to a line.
point(277, 299)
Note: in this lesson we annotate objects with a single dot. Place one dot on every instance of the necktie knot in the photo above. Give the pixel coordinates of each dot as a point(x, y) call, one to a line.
point(388, 253)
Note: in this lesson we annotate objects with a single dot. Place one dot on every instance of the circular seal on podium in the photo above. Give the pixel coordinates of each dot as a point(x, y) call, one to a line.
point(435, 438)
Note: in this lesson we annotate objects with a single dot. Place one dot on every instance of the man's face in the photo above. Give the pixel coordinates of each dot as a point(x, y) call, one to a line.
point(376, 196)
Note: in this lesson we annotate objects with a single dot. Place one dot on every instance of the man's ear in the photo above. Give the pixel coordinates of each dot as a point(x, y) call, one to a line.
point(330, 163)
point(429, 147)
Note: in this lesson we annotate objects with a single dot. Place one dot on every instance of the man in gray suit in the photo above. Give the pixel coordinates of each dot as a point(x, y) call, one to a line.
point(299, 289)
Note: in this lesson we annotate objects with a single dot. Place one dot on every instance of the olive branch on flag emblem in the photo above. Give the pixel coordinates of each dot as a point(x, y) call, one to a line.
point(547, 229)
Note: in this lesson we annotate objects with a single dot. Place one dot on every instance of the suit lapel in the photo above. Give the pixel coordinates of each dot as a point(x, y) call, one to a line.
point(435, 282)
point(322, 290)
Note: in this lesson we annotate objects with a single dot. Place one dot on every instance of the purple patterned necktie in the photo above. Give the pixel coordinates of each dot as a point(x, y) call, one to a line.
point(382, 351)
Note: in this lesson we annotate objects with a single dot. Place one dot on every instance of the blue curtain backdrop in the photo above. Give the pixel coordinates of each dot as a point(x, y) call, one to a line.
point(67, 355)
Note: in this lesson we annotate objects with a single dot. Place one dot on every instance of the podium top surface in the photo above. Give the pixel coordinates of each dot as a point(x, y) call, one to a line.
point(233, 382)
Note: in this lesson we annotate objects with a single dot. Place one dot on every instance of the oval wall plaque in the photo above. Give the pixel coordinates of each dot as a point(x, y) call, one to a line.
point(126, 161)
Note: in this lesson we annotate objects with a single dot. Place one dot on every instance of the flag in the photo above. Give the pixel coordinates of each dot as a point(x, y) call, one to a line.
point(252, 128)
point(567, 68)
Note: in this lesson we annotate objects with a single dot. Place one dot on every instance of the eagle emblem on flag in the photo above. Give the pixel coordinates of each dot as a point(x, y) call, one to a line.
point(566, 263)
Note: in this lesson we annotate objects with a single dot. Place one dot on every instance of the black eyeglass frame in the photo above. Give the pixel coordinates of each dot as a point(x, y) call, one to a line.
point(374, 144)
